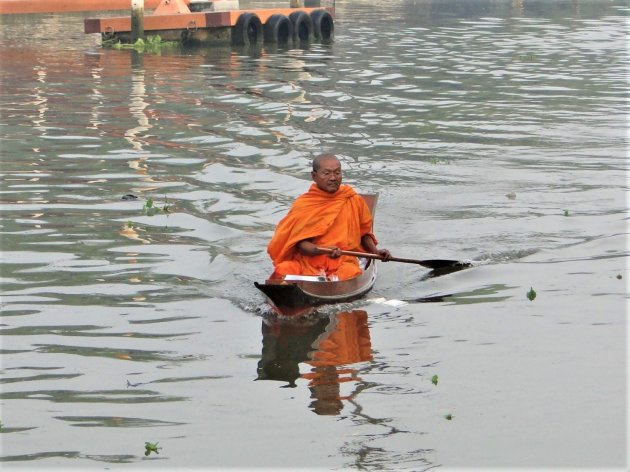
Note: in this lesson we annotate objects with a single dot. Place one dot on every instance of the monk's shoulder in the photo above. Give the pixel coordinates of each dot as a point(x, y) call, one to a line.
point(356, 197)
point(302, 200)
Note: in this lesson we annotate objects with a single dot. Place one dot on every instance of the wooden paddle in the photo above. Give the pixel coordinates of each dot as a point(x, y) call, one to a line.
point(430, 263)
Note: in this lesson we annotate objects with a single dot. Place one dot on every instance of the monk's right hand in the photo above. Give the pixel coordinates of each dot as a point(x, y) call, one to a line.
point(336, 252)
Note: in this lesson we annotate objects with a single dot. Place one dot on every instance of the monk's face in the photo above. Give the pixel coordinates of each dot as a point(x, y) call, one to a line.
point(328, 176)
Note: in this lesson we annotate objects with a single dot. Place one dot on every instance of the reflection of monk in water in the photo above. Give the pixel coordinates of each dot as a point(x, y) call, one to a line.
point(285, 345)
point(325, 344)
point(347, 343)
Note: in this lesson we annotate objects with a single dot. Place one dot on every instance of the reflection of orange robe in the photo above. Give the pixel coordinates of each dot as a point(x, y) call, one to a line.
point(348, 343)
point(327, 219)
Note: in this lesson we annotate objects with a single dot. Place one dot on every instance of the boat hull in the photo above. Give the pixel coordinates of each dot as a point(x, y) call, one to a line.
point(301, 297)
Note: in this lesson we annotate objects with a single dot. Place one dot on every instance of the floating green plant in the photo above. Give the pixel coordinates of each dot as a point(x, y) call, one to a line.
point(166, 207)
point(531, 294)
point(150, 209)
point(448, 416)
point(566, 212)
point(151, 44)
point(434, 380)
point(150, 447)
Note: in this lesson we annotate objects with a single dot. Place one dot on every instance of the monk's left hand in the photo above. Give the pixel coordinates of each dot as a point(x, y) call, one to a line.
point(385, 254)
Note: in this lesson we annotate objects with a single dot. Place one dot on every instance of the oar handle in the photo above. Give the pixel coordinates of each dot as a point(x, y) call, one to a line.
point(367, 255)
point(430, 263)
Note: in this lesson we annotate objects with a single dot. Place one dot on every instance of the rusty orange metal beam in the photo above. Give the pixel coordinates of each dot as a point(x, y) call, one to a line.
point(185, 20)
point(8, 7)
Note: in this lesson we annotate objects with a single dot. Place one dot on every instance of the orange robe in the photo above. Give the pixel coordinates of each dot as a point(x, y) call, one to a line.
point(327, 219)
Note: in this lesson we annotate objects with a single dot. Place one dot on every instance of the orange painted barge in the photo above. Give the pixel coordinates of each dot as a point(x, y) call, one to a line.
point(13, 7)
point(244, 27)
point(196, 21)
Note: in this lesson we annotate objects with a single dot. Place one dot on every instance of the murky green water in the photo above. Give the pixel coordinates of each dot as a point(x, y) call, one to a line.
point(493, 131)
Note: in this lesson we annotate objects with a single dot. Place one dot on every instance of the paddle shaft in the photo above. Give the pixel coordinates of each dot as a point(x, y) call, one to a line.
point(430, 263)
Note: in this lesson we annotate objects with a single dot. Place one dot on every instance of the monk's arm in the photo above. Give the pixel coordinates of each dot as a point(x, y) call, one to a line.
point(368, 242)
point(308, 248)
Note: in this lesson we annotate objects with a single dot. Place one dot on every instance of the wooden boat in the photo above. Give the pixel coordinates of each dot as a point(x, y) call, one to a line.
point(299, 295)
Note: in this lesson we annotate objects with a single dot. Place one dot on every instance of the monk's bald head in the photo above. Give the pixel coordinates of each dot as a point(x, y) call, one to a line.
point(318, 161)
point(327, 172)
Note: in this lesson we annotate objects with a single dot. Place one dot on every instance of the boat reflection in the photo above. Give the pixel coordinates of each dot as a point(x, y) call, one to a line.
point(328, 344)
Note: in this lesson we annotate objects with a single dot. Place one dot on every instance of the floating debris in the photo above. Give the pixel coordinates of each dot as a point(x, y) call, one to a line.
point(152, 44)
point(151, 447)
point(531, 294)
point(384, 301)
point(150, 209)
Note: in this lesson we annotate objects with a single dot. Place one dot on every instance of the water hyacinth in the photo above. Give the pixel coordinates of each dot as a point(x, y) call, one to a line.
point(531, 294)
point(150, 447)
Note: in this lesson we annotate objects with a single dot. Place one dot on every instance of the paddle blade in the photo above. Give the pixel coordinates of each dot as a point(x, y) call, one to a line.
point(444, 271)
point(443, 264)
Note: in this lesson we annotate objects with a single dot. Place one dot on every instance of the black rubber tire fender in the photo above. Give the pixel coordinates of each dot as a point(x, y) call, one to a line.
point(323, 25)
point(248, 30)
point(278, 29)
point(302, 26)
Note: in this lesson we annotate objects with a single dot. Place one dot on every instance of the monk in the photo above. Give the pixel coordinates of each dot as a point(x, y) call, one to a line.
point(330, 215)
